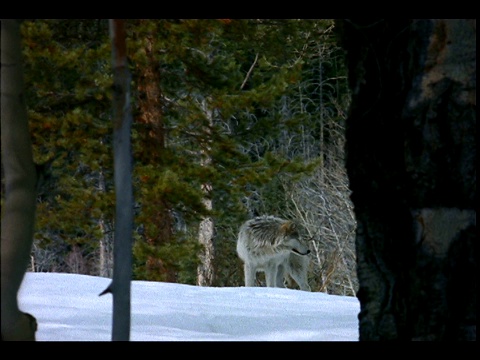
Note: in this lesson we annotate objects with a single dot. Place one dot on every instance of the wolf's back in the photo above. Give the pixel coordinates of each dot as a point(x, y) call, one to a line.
point(262, 230)
point(257, 233)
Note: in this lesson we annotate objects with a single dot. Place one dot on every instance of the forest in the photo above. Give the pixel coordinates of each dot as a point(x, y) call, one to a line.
point(231, 119)
point(226, 119)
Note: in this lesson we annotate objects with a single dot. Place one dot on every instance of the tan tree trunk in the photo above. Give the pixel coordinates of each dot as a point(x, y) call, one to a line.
point(411, 160)
point(205, 271)
point(18, 216)
point(105, 264)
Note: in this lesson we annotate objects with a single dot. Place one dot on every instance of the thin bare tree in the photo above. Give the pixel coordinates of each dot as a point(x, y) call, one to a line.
point(120, 286)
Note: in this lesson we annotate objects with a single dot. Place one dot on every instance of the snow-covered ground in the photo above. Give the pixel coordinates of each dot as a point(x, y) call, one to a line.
point(68, 308)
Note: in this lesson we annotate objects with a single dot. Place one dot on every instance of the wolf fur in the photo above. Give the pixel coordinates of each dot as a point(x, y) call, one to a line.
point(274, 246)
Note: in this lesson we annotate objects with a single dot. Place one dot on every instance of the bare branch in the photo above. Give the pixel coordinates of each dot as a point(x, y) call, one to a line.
point(249, 72)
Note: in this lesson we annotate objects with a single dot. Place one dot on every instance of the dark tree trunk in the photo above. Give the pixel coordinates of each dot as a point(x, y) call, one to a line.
point(411, 151)
point(18, 213)
point(120, 286)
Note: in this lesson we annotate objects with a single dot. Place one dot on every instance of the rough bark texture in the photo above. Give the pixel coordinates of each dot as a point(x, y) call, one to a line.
point(151, 120)
point(205, 270)
point(18, 217)
point(411, 151)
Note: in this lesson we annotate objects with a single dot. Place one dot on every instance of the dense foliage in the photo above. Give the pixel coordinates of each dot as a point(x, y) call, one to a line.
point(244, 115)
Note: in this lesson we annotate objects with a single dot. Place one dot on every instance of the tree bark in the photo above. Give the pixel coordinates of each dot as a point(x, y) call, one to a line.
point(151, 119)
point(105, 263)
point(120, 286)
point(411, 155)
point(205, 270)
point(18, 217)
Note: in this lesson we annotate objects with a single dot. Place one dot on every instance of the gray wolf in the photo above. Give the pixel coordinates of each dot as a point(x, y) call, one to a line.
point(274, 246)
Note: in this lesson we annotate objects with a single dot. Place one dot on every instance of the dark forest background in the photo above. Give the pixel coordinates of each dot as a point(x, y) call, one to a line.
point(231, 119)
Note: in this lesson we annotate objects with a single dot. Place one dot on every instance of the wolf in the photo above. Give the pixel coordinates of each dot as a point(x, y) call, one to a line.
point(274, 246)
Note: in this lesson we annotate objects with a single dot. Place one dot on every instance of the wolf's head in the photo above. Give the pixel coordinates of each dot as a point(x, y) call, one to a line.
point(292, 239)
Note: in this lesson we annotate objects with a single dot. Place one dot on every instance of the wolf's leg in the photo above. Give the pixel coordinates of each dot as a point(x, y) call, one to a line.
point(300, 277)
point(271, 274)
point(303, 284)
point(250, 274)
point(289, 282)
point(298, 271)
point(280, 276)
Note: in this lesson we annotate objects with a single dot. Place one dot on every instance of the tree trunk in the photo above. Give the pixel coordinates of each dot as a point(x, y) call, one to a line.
point(120, 286)
point(205, 270)
point(150, 116)
point(411, 157)
point(105, 265)
point(18, 216)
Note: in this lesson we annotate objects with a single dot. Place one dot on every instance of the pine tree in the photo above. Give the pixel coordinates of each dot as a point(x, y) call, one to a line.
point(225, 127)
point(68, 71)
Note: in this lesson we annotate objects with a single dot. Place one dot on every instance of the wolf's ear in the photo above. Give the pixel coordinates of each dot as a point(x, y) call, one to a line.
point(288, 227)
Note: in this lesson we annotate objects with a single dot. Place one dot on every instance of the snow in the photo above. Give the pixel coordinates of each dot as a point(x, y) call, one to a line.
point(68, 308)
